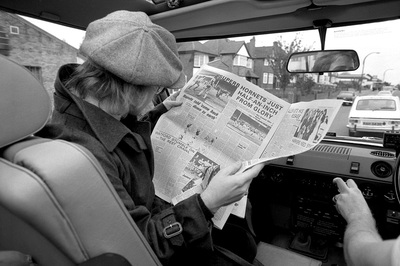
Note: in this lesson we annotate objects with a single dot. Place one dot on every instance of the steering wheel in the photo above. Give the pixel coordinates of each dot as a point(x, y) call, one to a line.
point(396, 180)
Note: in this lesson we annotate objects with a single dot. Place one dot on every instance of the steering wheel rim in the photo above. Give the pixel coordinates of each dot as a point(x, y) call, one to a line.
point(396, 180)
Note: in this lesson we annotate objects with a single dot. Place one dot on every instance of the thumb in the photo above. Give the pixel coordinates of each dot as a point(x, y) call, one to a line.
point(232, 169)
point(174, 95)
point(171, 104)
point(253, 171)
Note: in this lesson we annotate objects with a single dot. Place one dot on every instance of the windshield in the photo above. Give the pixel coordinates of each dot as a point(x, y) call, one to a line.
point(261, 59)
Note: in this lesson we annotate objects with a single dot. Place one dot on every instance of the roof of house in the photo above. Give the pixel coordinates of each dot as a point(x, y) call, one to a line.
point(224, 46)
point(262, 52)
point(219, 64)
point(196, 47)
point(232, 47)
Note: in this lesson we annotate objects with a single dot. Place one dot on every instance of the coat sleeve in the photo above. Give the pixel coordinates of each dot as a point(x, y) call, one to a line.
point(153, 115)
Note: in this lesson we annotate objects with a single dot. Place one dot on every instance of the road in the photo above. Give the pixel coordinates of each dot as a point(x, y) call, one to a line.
point(339, 124)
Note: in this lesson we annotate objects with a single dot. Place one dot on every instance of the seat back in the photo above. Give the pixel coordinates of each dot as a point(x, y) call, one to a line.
point(56, 202)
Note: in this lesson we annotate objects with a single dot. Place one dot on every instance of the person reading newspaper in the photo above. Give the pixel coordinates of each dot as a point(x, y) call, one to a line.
point(96, 105)
point(363, 246)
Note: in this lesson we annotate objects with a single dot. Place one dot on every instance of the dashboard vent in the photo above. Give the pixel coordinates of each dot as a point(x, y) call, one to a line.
point(384, 154)
point(332, 149)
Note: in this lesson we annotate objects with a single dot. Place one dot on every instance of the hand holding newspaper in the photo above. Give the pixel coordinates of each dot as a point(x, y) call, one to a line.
point(225, 119)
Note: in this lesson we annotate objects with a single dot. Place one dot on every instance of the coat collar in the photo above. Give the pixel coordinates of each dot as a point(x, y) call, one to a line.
point(108, 130)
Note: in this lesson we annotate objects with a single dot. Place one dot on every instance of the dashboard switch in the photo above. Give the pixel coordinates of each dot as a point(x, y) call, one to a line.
point(355, 168)
point(392, 217)
point(290, 160)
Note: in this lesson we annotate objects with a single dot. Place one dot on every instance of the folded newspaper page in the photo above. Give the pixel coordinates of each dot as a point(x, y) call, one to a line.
point(225, 119)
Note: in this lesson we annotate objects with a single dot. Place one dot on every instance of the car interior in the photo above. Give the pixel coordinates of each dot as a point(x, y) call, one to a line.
point(62, 222)
point(56, 202)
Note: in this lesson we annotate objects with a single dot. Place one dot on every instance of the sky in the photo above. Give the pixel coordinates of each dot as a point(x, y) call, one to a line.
point(378, 44)
point(71, 36)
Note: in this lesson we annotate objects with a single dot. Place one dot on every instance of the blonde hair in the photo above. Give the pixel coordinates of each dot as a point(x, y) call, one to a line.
point(115, 96)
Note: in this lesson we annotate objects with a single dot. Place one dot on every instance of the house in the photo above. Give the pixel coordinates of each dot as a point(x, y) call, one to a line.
point(193, 55)
point(261, 64)
point(34, 48)
point(367, 81)
point(234, 57)
point(243, 59)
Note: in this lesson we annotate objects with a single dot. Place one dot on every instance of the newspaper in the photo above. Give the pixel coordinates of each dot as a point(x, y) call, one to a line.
point(225, 119)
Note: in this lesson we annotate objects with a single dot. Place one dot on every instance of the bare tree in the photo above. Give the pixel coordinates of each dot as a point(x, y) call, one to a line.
point(279, 57)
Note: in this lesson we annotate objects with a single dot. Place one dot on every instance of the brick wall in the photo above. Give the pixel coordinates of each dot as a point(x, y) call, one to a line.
point(36, 48)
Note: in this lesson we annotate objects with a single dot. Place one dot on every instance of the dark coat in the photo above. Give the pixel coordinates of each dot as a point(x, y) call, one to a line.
point(123, 148)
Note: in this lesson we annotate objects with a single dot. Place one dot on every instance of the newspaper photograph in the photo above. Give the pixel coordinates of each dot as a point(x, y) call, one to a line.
point(225, 119)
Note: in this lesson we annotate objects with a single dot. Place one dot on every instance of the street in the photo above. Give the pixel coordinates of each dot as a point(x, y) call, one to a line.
point(339, 124)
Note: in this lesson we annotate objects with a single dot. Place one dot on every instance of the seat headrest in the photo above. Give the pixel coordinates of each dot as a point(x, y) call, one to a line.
point(25, 105)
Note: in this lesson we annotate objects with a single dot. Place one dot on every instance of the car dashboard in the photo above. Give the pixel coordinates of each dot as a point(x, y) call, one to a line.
point(292, 196)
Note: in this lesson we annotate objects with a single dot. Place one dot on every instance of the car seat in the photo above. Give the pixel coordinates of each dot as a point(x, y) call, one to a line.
point(56, 202)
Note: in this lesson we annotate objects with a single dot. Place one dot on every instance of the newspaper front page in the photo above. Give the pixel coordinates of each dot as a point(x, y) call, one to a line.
point(225, 119)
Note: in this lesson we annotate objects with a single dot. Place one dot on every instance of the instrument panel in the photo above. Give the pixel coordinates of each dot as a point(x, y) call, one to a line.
point(372, 163)
point(295, 193)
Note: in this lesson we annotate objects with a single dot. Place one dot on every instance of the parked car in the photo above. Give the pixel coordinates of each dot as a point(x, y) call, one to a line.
point(374, 114)
point(388, 88)
point(347, 96)
point(388, 93)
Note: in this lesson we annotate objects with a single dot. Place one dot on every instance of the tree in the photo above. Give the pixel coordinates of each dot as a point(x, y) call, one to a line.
point(305, 84)
point(280, 54)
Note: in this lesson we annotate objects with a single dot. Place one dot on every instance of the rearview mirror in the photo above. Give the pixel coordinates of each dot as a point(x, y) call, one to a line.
point(323, 61)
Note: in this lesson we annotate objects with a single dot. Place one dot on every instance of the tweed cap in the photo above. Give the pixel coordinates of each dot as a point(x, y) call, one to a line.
point(131, 47)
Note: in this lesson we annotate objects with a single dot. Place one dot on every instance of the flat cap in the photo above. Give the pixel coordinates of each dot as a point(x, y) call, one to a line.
point(133, 48)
